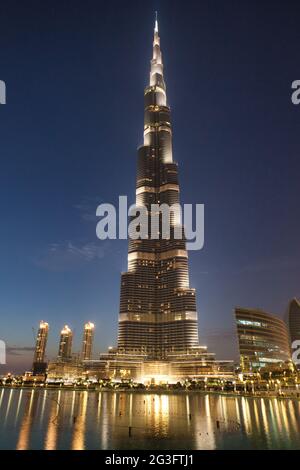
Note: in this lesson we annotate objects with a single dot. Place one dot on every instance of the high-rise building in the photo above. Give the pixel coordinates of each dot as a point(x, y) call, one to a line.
point(65, 344)
point(158, 325)
point(41, 342)
point(263, 339)
point(158, 316)
point(87, 342)
point(293, 320)
point(39, 364)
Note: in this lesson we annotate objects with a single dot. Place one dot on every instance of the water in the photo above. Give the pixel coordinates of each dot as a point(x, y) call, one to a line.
point(66, 419)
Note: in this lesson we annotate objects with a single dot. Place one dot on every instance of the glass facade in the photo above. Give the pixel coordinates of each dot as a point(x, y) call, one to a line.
point(263, 339)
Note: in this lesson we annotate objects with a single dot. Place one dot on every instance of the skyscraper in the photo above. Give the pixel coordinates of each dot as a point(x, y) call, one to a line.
point(293, 320)
point(158, 325)
point(65, 343)
point(39, 365)
point(41, 342)
point(87, 342)
point(158, 316)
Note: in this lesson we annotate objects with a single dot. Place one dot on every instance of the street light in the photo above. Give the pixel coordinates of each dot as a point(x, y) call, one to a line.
point(279, 386)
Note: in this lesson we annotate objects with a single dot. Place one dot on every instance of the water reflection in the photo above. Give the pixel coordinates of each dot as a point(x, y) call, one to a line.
point(27, 421)
point(18, 406)
point(78, 437)
point(61, 419)
point(51, 429)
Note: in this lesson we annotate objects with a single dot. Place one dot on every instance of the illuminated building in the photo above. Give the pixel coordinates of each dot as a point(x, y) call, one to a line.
point(158, 325)
point(39, 364)
point(293, 319)
point(87, 342)
point(263, 339)
point(41, 342)
point(64, 370)
point(65, 344)
point(138, 368)
point(158, 313)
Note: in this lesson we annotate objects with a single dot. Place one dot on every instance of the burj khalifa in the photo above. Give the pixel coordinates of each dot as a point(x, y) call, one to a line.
point(158, 315)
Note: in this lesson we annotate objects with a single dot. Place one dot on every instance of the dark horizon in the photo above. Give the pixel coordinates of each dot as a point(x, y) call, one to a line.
point(69, 133)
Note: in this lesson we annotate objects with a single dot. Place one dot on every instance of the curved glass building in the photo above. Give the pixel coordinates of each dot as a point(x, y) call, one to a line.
point(263, 339)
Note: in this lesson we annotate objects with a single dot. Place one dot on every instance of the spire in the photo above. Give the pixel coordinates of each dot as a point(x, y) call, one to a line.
point(156, 74)
point(156, 36)
point(156, 23)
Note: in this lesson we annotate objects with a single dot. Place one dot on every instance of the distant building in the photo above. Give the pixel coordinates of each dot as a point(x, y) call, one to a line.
point(41, 342)
point(39, 364)
point(65, 344)
point(263, 339)
point(87, 342)
point(64, 371)
point(293, 320)
point(34, 378)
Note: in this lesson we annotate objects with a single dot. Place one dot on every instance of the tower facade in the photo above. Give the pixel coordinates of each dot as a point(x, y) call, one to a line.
point(87, 342)
point(41, 342)
point(158, 316)
point(65, 343)
point(293, 319)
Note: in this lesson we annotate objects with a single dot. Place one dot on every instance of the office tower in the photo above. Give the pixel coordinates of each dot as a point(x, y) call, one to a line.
point(39, 364)
point(65, 343)
point(263, 339)
point(87, 342)
point(158, 316)
point(293, 320)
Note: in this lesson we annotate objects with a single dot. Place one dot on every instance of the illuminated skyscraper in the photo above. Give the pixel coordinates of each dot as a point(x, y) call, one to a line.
point(87, 342)
point(65, 343)
point(293, 320)
point(41, 342)
point(158, 316)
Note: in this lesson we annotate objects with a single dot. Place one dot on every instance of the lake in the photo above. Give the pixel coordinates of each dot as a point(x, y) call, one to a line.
point(67, 419)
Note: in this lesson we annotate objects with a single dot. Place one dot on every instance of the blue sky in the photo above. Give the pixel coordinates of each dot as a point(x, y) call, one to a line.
point(75, 74)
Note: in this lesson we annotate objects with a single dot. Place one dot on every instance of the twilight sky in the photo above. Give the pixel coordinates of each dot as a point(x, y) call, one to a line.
point(75, 74)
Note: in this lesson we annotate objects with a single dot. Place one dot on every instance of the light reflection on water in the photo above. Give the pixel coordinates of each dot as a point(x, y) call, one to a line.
point(66, 419)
